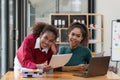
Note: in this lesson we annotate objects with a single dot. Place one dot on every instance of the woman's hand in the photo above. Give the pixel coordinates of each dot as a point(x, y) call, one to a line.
point(47, 68)
point(40, 66)
point(82, 67)
point(44, 67)
point(54, 48)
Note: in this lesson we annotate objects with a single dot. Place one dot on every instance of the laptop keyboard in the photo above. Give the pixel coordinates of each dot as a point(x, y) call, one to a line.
point(84, 74)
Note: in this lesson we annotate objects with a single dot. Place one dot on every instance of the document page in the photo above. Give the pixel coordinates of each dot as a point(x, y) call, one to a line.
point(59, 60)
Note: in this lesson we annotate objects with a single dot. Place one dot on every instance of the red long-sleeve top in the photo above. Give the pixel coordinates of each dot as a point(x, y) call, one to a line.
point(29, 56)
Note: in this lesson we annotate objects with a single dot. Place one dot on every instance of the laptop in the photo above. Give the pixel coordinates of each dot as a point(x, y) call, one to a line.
point(100, 54)
point(98, 66)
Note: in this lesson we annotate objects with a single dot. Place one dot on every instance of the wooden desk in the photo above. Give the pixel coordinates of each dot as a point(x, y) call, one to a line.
point(61, 76)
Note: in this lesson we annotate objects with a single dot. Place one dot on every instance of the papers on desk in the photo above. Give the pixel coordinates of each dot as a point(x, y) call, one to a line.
point(59, 60)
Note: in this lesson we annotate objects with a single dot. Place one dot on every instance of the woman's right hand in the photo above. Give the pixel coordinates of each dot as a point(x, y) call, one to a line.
point(47, 68)
point(82, 67)
point(44, 67)
point(40, 66)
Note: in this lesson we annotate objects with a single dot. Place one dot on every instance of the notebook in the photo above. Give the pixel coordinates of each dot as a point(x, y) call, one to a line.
point(98, 66)
point(59, 60)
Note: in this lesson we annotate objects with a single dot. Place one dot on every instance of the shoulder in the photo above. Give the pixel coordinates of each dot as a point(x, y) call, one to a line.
point(31, 38)
point(64, 49)
point(85, 49)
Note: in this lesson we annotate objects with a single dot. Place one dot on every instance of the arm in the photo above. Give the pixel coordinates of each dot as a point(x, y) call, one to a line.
point(26, 54)
point(44, 66)
point(70, 68)
point(79, 68)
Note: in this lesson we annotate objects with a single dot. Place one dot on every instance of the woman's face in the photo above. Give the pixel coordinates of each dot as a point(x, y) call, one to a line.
point(75, 37)
point(47, 39)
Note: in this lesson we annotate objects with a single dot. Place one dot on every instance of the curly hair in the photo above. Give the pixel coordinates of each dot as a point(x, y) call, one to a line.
point(84, 30)
point(42, 27)
point(38, 27)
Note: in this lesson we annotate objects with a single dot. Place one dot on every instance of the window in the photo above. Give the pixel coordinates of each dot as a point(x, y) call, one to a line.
point(39, 10)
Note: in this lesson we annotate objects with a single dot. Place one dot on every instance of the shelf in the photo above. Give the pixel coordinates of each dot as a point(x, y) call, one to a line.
point(93, 41)
point(94, 23)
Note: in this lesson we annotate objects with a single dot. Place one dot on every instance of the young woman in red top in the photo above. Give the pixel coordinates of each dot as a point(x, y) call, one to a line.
point(37, 48)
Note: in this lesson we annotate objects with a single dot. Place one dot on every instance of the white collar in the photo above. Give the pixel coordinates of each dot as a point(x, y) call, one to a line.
point(37, 45)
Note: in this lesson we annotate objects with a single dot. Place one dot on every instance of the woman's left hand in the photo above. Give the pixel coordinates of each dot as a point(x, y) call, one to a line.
point(54, 48)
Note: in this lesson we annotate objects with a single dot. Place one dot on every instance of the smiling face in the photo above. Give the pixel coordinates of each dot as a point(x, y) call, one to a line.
point(47, 39)
point(75, 37)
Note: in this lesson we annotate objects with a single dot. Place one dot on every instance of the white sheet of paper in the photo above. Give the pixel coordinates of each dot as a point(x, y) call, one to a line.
point(59, 60)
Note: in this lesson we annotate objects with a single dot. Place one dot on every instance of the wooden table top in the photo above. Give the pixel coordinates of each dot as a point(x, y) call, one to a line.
point(61, 76)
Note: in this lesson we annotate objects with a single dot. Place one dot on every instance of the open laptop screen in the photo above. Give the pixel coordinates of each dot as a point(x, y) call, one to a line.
point(98, 66)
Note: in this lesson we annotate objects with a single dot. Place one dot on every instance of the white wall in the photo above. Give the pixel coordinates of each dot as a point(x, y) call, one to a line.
point(110, 10)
